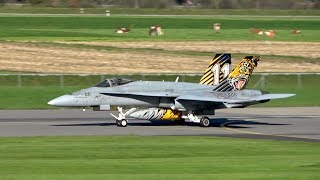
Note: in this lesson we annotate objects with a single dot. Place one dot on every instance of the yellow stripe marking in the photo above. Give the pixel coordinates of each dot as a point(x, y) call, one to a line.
point(258, 133)
point(207, 78)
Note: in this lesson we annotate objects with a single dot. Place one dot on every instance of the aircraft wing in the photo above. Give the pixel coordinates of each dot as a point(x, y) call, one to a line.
point(210, 99)
point(272, 96)
point(232, 100)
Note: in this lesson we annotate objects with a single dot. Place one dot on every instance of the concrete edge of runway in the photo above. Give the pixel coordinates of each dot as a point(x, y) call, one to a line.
point(290, 124)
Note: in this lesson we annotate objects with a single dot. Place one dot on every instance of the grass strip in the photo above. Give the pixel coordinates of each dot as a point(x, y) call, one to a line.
point(86, 28)
point(157, 157)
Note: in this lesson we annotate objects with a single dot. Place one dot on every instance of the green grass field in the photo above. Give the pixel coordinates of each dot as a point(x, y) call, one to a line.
point(83, 28)
point(126, 157)
point(36, 91)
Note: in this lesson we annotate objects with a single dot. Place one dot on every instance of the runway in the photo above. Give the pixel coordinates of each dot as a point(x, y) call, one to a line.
point(295, 124)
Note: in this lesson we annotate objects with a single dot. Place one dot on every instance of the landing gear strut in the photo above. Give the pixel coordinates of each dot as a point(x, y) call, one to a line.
point(121, 119)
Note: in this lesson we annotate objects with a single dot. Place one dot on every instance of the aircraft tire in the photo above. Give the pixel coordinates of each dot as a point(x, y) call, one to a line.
point(123, 122)
point(204, 121)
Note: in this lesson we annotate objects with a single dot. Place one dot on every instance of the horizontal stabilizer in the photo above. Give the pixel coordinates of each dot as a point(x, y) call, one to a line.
point(273, 96)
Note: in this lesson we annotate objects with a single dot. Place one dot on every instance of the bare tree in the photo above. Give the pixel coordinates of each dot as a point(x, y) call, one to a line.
point(216, 4)
point(74, 3)
point(136, 3)
point(54, 3)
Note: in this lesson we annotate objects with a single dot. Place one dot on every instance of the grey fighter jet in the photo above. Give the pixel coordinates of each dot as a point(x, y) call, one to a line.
point(178, 101)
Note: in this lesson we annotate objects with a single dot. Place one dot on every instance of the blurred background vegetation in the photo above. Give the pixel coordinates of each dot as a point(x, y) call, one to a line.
point(207, 4)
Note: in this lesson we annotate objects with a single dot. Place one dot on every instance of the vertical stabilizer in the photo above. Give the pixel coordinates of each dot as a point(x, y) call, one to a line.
point(217, 70)
point(240, 75)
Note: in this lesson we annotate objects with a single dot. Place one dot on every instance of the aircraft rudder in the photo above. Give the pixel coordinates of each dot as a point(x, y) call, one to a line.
point(240, 75)
point(217, 70)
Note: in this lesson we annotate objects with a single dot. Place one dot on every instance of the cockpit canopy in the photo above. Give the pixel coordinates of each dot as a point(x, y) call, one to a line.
point(113, 82)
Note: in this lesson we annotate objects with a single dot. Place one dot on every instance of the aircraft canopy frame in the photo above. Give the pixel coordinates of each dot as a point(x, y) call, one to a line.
point(112, 82)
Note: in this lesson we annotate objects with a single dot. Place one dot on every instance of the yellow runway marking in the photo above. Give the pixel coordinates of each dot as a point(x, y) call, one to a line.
point(258, 133)
point(224, 127)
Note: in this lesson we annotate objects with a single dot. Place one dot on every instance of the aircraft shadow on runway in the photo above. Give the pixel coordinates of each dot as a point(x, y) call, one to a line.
point(224, 122)
point(216, 122)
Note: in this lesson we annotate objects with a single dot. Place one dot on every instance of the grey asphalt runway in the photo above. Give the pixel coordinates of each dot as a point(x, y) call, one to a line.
point(296, 124)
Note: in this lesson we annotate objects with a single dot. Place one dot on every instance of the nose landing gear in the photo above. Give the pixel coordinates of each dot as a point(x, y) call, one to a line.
point(121, 119)
point(122, 123)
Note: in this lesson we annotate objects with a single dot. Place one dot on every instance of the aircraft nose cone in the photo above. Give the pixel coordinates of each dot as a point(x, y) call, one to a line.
point(65, 100)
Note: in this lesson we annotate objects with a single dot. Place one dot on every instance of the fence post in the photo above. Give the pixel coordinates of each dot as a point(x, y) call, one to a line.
point(61, 81)
point(19, 80)
point(299, 82)
point(263, 81)
point(183, 79)
point(102, 78)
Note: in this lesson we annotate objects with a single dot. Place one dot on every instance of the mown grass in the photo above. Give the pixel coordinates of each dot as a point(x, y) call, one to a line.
point(207, 54)
point(36, 91)
point(134, 157)
point(176, 29)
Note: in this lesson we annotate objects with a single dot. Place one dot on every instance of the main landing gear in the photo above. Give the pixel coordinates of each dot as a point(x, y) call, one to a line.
point(204, 121)
point(122, 122)
point(121, 119)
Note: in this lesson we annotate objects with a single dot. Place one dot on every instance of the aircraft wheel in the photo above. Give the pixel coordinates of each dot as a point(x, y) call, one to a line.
point(123, 123)
point(118, 122)
point(204, 122)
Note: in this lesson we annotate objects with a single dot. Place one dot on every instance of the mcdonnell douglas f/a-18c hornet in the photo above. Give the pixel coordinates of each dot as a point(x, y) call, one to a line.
point(178, 101)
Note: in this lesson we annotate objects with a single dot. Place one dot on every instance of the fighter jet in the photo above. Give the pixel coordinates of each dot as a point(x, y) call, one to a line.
point(219, 88)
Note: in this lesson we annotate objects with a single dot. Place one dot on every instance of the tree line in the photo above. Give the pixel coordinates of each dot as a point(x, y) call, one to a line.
point(214, 4)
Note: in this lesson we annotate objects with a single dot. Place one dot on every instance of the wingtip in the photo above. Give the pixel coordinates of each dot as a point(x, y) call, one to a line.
point(290, 95)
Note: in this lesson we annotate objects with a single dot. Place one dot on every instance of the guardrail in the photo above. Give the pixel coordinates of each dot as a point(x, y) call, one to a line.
point(258, 80)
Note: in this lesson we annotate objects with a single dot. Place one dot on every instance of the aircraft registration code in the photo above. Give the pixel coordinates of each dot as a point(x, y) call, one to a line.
point(227, 95)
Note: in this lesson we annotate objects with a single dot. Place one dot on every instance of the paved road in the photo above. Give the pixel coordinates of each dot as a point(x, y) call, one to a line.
point(298, 124)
